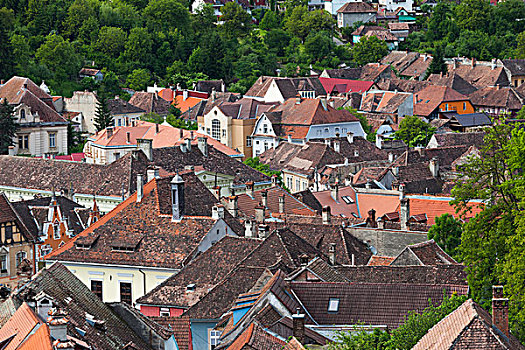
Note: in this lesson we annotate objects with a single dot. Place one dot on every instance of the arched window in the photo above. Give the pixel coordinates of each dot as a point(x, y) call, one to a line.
point(216, 129)
point(22, 114)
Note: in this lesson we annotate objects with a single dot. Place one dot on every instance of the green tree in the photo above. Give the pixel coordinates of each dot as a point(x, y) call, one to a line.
point(138, 48)
point(75, 141)
point(318, 45)
point(204, 20)
point(439, 21)
point(369, 49)
point(166, 15)
point(78, 13)
point(59, 56)
point(271, 20)
point(111, 41)
point(8, 126)
point(7, 56)
point(302, 22)
point(103, 117)
point(438, 64)
point(413, 131)
point(139, 79)
point(276, 40)
point(22, 54)
point(447, 233)
point(520, 49)
point(236, 22)
point(473, 14)
point(256, 164)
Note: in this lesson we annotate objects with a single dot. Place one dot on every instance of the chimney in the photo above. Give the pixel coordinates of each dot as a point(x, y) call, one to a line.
point(298, 326)
point(500, 310)
point(152, 173)
point(390, 157)
point(337, 146)
point(275, 180)
point(264, 198)
point(326, 215)
point(371, 220)
point(202, 143)
point(379, 141)
point(350, 137)
point(249, 229)
point(433, 165)
point(249, 188)
point(233, 207)
point(404, 208)
point(57, 322)
point(263, 231)
point(181, 134)
point(473, 62)
point(140, 188)
point(11, 150)
point(298, 99)
point(109, 132)
point(334, 192)
point(217, 212)
point(217, 192)
point(146, 145)
point(128, 137)
point(493, 63)
point(281, 204)
point(368, 184)
point(177, 198)
point(188, 145)
point(331, 253)
point(25, 85)
point(259, 213)
point(289, 138)
point(380, 223)
point(157, 128)
point(455, 63)
point(184, 94)
point(420, 150)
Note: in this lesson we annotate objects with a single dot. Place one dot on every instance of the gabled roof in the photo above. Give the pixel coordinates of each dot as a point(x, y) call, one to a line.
point(379, 32)
point(377, 260)
point(150, 102)
point(73, 296)
point(497, 97)
point(20, 326)
point(418, 67)
point(400, 59)
point(9, 213)
point(12, 89)
point(356, 7)
point(467, 327)
point(515, 66)
point(204, 272)
point(383, 101)
point(430, 98)
point(427, 253)
point(245, 108)
point(146, 229)
point(452, 80)
point(480, 75)
point(448, 139)
point(403, 85)
point(317, 269)
point(89, 71)
point(334, 85)
point(345, 207)
point(256, 338)
point(118, 106)
point(289, 87)
point(369, 303)
point(209, 86)
point(468, 120)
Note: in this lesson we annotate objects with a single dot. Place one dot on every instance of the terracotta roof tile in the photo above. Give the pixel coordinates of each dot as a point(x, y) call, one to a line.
point(376, 260)
point(428, 100)
point(23, 322)
point(150, 103)
point(454, 81)
point(357, 7)
point(497, 97)
point(480, 75)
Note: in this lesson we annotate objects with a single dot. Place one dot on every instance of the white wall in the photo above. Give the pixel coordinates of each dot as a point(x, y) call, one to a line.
point(86, 103)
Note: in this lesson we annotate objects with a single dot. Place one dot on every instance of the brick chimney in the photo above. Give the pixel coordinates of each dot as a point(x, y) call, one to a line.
point(57, 322)
point(264, 198)
point(177, 198)
point(217, 212)
point(11, 150)
point(326, 215)
point(433, 166)
point(140, 187)
point(500, 310)
point(217, 192)
point(298, 326)
point(260, 213)
point(249, 228)
point(404, 208)
point(249, 188)
point(109, 132)
point(281, 203)
point(263, 231)
point(334, 192)
point(152, 172)
point(233, 207)
point(202, 143)
point(146, 146)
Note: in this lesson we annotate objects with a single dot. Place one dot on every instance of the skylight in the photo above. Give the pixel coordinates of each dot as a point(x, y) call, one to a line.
point(333, 305)
point(348, 199)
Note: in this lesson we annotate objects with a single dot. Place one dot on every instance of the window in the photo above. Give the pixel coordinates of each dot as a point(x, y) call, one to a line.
point(52, 140)
point(266, 146)
point(214, 338)
point(45, 249)
point(56, 231)
point(96, 288)
point(216, 129)
point(3, 264)
point(297, 185)
point(319, 132)
point(265, 128)
point(117, 156)
point(289, 182)
point(257, 153)
point(446, 106)
point(23, 142)
point(223, 132)
point(119, 122)
point(22, 114)
point(348, 199)
point(464, 106)
point(8, 231)
point(333, 305)
point(207, 131)
point(164, 311)
point(344, 131)
point(248, 141)
point(304, 185)
point(326, 130)
point(20, 256)
point(125, 292)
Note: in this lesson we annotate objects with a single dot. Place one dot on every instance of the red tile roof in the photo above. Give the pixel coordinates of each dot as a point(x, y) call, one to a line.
point(256, 338)
point(341, 206)
point(40, 340)
point(377, 260)
point(428, 100)
point(332, 85)
point(23, 322)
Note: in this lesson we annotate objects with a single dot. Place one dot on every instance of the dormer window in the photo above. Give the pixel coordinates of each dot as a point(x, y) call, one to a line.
point(190, 287)
point(333, 305)
point(22, 114)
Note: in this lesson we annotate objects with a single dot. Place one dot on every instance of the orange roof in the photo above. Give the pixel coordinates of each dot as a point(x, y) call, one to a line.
point(380, 202)
point(184, 105)
point(167, 136)
point(21, 324)
point(341, 207)
point(242, 339)
point(435, 207)
point(428, 99)
point(40, 340)
point(377, 260)
point(166, 94)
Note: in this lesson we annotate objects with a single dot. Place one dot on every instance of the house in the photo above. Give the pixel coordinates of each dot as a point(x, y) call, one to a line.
point(331, 6)
point(456, 139)
point(515, 69)
point(399, 30)
point(423, 254)
point(478, 73)
point(344, 87)
point(93, 73)
point(146, 238)
point(405, 17)
point(85, 103)
point(497, 100)
point(217, 5)
point(232, 123)
point(298, 163)
point(454, 81)
point(112, 143)
point(184, 99)
point(417, 70)
point(298, 120)
point(23, 178)
point(150, 103)
point(42, 131)
point(395, 104)
point(199, 107)
point(432, 101)
point(392, 5)
point(379, 32)
point(402, 85)
point(209, 86)
point(276, 89)
point(467, 122)
point(470, 326)
point(17, 249)
point(123, 112)
point(54, 221)
point(353, 12)
point(409, 65)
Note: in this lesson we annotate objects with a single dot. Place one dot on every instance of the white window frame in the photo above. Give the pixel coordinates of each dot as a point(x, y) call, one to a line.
point(164, 311)
point(20, 256)
point(333, 305)
point(52, 140)
point(216, 129)
point(248, 141)
point(4, 258)
point(213, 338)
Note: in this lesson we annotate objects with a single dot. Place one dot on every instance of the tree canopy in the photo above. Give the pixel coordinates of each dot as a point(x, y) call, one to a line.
point(414, 131)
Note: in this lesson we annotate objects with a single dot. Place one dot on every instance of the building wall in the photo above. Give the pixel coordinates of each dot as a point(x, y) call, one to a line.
point(273, 94)
point(10, 250)
point(295, 182)
point(330, 130)
point(200, 333)
point(86, 103)
point(241, 129)
point(148, 310)
point(125, 119)
point(105, 155)
point(462, 107)
point(392, 5)
point(348, 19)
point(517, 80)
point(205, 126)
point(39, 140)
point(142, 280)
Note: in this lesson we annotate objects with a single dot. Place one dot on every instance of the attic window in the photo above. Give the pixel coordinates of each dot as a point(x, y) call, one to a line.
point(190, 287)
point(333, 305)
point(348, 199)
point(164, 311)
point(126, 249)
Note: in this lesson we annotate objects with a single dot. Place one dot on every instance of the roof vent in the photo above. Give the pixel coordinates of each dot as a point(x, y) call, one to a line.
point(190, 287)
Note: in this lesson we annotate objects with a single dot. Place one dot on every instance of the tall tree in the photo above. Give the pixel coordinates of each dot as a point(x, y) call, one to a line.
point(447, 233)
point(235, 21)
point(413, 131)
point(8, 126)
point(369, 49)
point(438, 64)
point(103, 117)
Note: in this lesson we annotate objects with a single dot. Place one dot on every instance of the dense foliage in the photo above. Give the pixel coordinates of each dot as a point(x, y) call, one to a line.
point(414, 131)
point(447, 233)
point(8, 126)
point(404, 337)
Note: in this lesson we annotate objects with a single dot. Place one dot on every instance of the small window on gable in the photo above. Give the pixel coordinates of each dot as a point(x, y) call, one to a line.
point(333, 305)
point(22, 114)
point(164, 311)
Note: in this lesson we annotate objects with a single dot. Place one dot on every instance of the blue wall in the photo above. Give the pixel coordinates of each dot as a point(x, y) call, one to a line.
point(199, 333)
